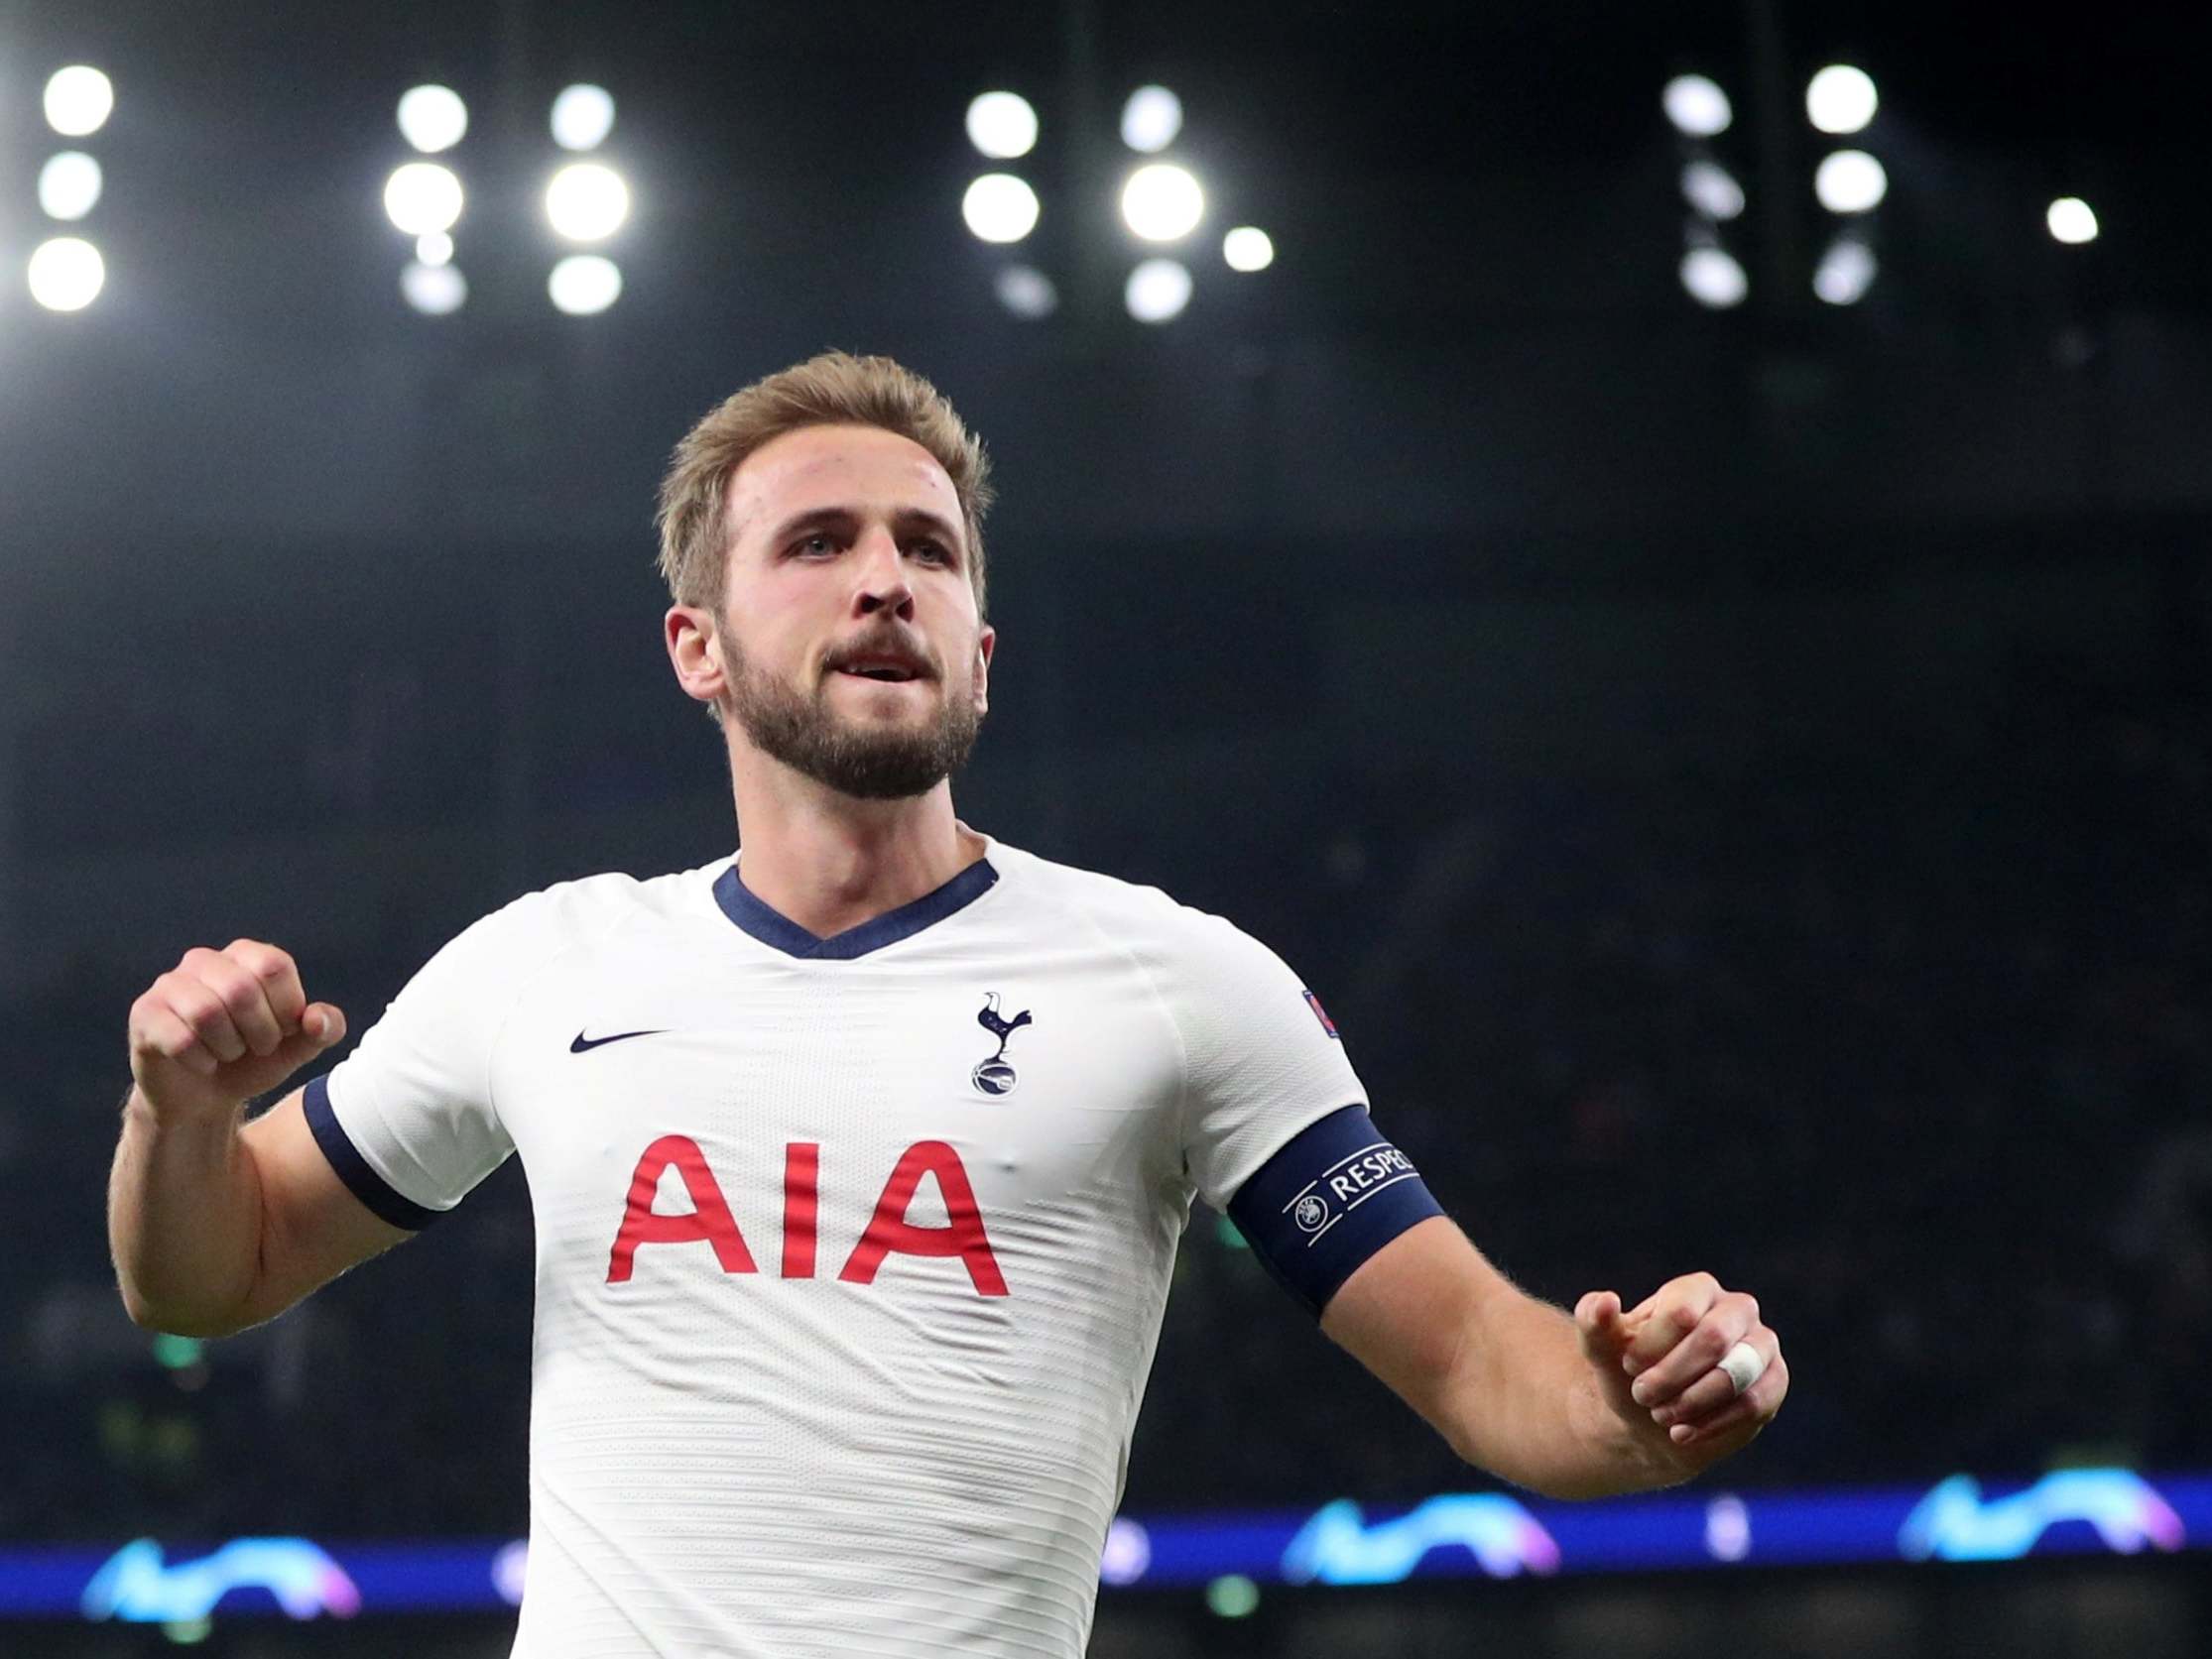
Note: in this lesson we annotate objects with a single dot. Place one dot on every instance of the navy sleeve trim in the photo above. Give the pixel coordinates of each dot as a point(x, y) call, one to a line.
point(1335, 1194)
point(353, 1169)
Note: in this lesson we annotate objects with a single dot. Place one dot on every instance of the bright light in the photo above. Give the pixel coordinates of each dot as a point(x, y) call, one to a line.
point(1248, 248)
point(78, 100)
point(587, 201)
point(1162, 202)
point(582, 116)
point(435, 249)
point(1157, 290)
point(1150, 119)
point(1708, 187)
point(1841, 99)
point(432, 118)
point(1000, 208)
point(583, 284)
point(1847, 271)
point(422, 198)
point(1001, 125)
point(2071, 220)
point(1850, 181)
point(1026, 292)
point(67, 273)
point(1696, 106)
point(433, 290)
point(68, 184)
point(1713, 279)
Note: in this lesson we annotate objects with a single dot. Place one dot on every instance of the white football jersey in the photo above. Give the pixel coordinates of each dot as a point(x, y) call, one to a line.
point(851, 1252)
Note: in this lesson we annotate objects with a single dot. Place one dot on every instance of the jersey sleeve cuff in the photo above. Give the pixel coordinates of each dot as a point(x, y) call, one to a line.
point(378, 1194)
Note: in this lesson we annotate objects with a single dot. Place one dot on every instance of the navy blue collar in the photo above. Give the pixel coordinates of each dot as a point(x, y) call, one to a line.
point(771, 927)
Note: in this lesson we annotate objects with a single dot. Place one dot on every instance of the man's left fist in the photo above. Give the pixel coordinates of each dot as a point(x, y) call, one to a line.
point(1660, 1363)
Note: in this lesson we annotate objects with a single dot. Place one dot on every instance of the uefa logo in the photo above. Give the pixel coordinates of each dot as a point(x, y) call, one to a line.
point(1311, 1213)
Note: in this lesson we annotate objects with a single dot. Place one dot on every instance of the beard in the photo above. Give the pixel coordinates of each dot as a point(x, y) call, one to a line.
point(869, 763)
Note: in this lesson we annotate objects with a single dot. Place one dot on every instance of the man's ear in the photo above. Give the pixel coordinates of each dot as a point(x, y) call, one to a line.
point(986, 642)
point(695, 651)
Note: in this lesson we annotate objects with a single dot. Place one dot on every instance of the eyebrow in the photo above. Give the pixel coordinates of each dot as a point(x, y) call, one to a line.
point(906, 519)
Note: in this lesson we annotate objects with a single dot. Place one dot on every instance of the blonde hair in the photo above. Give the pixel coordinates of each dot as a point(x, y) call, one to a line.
point(833, 389)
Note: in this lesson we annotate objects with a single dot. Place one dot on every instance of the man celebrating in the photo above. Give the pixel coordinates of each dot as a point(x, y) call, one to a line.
point(859, 1158)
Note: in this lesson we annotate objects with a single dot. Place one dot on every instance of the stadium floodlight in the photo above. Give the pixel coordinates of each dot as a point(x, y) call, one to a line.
point(1847, 271)
point(1248, 248)
point(2071, 220)
point(433, 290)
point(432, 118)
point(582, 116)
point(1698, 106)
point(78, 100)
point(1150, 119)
point(583, 284)
point(1712, 190)
point(1841, 99)
point(1026, 292)
point(67, 273)
point(1157, 290)
point(1001, 125)
point(1850, 181)
point(587, 201)
point(1000, 208)
point(1162, 202)
point(68, 184)
point(1713, 279)
point(421, 196)
point(435, 249)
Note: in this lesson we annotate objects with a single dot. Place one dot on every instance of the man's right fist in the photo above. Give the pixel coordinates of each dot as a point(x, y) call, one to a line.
point(222, 1026)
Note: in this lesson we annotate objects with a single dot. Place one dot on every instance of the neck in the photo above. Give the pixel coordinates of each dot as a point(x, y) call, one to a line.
point(829, 861)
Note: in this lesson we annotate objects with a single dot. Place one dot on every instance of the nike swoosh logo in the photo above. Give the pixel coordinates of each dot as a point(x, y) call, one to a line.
point(583, 1044)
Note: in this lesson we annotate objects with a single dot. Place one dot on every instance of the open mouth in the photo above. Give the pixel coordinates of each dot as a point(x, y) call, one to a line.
point(889, 676)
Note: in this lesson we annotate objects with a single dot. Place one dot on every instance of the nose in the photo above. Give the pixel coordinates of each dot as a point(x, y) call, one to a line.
point(880, 576)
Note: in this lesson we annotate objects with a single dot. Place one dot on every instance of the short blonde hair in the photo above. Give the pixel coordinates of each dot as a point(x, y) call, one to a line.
point(833, 389)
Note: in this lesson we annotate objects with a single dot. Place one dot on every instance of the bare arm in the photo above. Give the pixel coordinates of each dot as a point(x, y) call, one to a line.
point(217, 1224)
point(1541, 1398)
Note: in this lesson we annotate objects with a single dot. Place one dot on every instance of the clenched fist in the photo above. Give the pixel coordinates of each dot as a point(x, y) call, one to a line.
point(222, 1026)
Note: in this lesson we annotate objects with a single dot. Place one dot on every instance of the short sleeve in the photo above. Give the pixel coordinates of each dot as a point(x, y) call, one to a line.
point(408, 1118)
point(1263, 1058)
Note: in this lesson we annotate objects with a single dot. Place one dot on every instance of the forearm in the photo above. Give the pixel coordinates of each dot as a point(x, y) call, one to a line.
point(183, 1220)
point(1526, 1408)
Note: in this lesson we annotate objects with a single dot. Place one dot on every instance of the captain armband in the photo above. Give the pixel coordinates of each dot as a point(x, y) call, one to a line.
point(1335, 1194)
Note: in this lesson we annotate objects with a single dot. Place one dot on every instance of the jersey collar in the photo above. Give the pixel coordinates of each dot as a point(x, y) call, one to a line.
point(771, 927)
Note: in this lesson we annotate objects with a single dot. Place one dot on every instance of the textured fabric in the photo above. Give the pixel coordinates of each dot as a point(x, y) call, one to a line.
point(849, 1269)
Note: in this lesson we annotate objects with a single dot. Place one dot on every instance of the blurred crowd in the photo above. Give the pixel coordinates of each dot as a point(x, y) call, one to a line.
point(1909, 1037)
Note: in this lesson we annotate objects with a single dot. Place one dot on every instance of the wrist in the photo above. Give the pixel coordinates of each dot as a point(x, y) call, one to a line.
point(171, 1115)
point(1633, 1451)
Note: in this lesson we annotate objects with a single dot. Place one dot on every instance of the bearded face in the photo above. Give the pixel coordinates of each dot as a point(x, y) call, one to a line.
point(857, 729)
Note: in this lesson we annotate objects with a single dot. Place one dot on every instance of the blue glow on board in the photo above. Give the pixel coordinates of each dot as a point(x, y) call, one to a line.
point(1342, 1542)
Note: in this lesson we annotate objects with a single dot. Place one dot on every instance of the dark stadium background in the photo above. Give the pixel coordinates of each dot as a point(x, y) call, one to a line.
point(1738, 779)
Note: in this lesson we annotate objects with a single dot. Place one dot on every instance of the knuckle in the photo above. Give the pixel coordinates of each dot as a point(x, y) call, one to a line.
point(266, 962)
